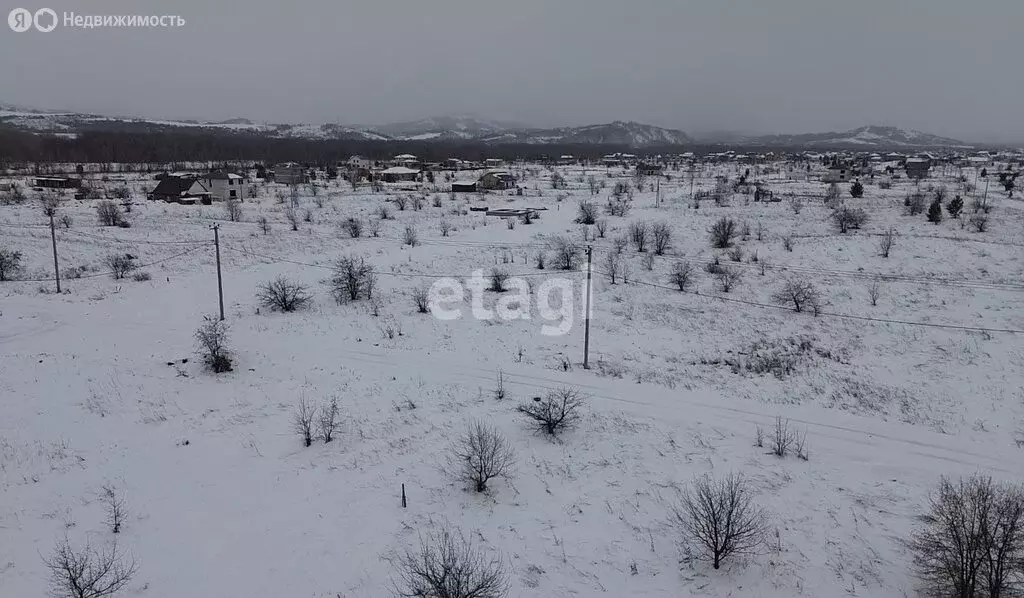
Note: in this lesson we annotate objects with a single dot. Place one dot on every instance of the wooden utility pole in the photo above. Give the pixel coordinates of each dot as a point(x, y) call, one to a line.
point(53, 239)
point(220, 283)
point(586, 316)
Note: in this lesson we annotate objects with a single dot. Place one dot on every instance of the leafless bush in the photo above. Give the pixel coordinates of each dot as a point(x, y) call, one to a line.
point(499, 278)
point(800, 294)
point(972, 540)
point(586, 213)
point(307, 215)
point(886, 241)
point(383, 212)
point(264, 224)
point(448, 565)
point(979, 222)
point(735, 254)
point(233, 209)
point(682, 275)
point(511, 223)
point(115, 507)
point(617, 206)
point(417, 202)
point(787, 243)
point(540, 260)
point(638, 234)
point(783, 437)
point(760, 231)
point(619, 243)
point(352, 279)
point(446, 227)
point(480, 455)
point(292, 216)
point(602, 227)
point(566, 253)
point(302, 421)
point(10, 264)
point(661, 236)
point(374, 228)
point(800, 446)
point(284, 295)
point(719, 518)
point(109, 213)
point(796, 204)
point(327, 420)
point(499, 390)
point(759, 436)
point(727, 278)
point(88, 572)
point(421, 297)
point(410, 237)
point(915, 203)
point(402, 202)
point(844, 218)
point(354, 227)
point(613, 267)
point(142, 277)
point(212, 338)
point(874, 292)
point(558, 410)
point(832, 193)
point(723, 232)
point(436, 202)
point(66, 220)
point(120, 264)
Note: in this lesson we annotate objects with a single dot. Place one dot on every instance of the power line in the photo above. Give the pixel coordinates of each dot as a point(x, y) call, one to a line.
point(137, 266)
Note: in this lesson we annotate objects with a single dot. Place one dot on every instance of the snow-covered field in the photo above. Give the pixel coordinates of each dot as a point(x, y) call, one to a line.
point(101, 386)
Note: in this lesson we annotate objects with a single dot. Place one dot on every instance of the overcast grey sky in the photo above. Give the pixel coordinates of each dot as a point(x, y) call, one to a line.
point(944, 66)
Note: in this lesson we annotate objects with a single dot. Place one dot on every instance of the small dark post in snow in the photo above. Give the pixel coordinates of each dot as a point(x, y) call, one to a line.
point(220, 285)
point(53, 238)
point(586, 316)
point(403, 496)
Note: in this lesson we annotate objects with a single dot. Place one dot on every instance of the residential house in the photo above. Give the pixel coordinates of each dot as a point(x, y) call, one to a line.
point(917, 168)
point(406, 160)
point(496, 180)
point(290, 173)
point(648, 169)
point(181, 189)
point(464, 186)
point(223, 185)
point(397, 174)
point(357, 163)
point(838, 174)
point(492, 162)
point(53, 182)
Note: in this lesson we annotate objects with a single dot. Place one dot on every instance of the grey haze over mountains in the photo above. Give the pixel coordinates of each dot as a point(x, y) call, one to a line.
point(470, 128)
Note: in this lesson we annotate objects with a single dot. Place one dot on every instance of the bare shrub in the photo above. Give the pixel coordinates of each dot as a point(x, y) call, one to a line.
point(233, 209)
point(796, 204)
point(617, 206)
point(915, 203)
point(292, 216)
point(979, 222)
point(446, 227)
point(417, 202)
point(510, 223)
point(558, 410)
point(402, 202)
point(613, 267)
point(109, 213)
point(638, 234)
point(302, 421)
point(832, 193)
point(10, 264)
point(874, 292)
point(719, 519)
point(723, 232)
point(566, 253)
point(436, 202)
point(760, 231)
point(727, 278)
point(282, 294)
point(800, 294)
point(661, 236)
point(735, 254)
point(448, 565)
point(352, 279)
point(586, 212)
point(480, 455)
point(120, 264)
point(327, 420)
point(212, 338)
point(845, 218)
point(410, 237)
point(66, 220)
point(115, 507)
point(682, 275)
point(264, 224)
point(783, 437)
point(972, 540)
point(540, 260)
point(354, 227)
point(307, 215)
point(620, 243)
point(374, 228)
point(602, 227)
point(383, 212)
point(499, 278)
point(421, 298)
point(88, 572)
point(886, 241)
point(787, 243)
point(142, 277)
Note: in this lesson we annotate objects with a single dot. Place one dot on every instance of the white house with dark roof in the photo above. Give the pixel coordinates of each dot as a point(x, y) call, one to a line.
point(223, 185)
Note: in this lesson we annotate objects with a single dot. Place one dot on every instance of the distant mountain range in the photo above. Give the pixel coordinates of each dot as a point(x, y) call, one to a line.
point(472, 129)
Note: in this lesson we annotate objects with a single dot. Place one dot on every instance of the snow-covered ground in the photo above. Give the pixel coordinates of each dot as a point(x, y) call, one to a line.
point(223, 499)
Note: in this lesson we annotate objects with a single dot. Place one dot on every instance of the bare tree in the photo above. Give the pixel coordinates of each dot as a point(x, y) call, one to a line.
point(212, 338)
point(410, 237)
point(979, 222)
point(846, 218)
point(722, 232)
point(682, 275)
point(448, 565)
point(566, 253)
point(559, 409)
point(383, 212)
point(480, 455)
point(284, 295)
point(233, 209)
point(661, 234)
point(109, 213)
point(619, 243)
point(302, 420)
point(292, 215)
point(352, 279)
point(586, 213)
point(783, 437)
point(638, 233)
point(727, 278)
point(10, 264)
point(401, 201)
point(801, 294)
point(602, 227)
point(613, 266)
point(499, 278)
point(88, 572)
point(887, 240)
point(354, 227)
point(264, 224)
point(120, 264)
point(421, 297)
point(796, 204)
point(115, 507)
point(446, 227)
point(787, 242)
point(719, 518)
point(874, 291)
point(327, 420)
point(66, 220)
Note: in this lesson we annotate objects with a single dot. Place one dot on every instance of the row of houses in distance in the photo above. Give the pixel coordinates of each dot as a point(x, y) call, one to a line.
point(190, 188)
